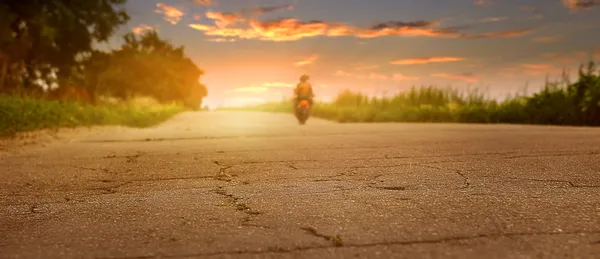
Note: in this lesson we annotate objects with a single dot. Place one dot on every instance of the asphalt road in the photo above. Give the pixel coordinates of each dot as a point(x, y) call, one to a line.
point(253, 185)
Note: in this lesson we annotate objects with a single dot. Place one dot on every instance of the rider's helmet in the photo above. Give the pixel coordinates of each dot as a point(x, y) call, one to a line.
point(304, 77)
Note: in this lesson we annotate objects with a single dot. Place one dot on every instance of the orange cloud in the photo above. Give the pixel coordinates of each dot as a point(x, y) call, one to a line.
point(293, 29)
point(581, 54)
point(307, 60)
point(225, 32)
point(559, 57)
point(371, 76)
point(401, 77)
point(267, 9)
point(366, 67)
point(494, 19)
point(580, 4)
point(172, 14)
point(547, 39)
point(482, 3)
point(377, 76)
point(221, 40)
point(414, 61)
point(142, 28)
point(204, 2)
point(223, 20)
point(468, 77)
point(288, 29)
point(539, 66)
point(502, 34)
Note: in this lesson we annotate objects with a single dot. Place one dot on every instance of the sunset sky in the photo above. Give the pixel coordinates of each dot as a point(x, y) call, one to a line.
point(255, 50)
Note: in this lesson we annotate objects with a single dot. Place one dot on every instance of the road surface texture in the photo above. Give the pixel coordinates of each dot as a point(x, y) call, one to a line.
point(256, 185)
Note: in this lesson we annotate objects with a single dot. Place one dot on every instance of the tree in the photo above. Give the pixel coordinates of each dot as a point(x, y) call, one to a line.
point(43, 39)
point(145, 65)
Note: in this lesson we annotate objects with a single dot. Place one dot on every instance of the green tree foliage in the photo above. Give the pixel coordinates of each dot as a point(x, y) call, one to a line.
point(49, 42)
point(145, 66)
point(42, 39)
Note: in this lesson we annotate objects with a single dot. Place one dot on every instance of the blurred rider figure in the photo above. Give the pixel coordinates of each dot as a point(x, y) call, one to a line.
point(304, 91)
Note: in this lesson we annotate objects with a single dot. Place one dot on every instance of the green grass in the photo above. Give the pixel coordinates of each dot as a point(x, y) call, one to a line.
point(558, 103)
point(18, 114)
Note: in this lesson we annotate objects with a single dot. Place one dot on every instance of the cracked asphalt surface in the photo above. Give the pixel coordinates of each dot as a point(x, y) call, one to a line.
point(247, 185)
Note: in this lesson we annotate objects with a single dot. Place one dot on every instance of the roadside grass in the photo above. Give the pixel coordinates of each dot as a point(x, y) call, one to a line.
point(19, 114)
point(558, 103)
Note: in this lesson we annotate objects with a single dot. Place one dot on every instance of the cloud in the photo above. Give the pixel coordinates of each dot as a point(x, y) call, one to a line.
point(468, 77)
point(559, 57)
point(291, 29)
point(366, 67)
point(267, 9)
point(204, 2)
point(547, 39)
point(172, 14)
point(415, 61)
point(251, 89)
point(580, 4)
point(142, 28)
point(370, 76)
point(538, 66)
point(502, 34)
point(401, 24)
point(377, 76)
point(482, 3)
point(201, 27)
point(221, 40)
point(223, 20)
point(307, 60)
point(534, 10)
point(288, 29)
point(401, 77)
point(493, 19)
point(581, 54)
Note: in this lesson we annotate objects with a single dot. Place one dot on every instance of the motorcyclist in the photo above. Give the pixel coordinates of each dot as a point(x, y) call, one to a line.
point(304, 91)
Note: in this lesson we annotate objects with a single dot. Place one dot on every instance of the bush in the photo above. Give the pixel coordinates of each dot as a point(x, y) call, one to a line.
point(25, 114)
point(557, 103)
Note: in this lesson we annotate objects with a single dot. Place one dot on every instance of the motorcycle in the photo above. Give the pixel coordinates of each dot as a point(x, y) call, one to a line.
point(302, 111)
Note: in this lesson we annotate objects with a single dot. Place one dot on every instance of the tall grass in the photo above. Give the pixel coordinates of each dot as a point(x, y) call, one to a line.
point(25, 114)
point(558, 103)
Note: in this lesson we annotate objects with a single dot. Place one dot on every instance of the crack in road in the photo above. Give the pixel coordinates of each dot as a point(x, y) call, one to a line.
point(466, 181)
point(368, 245)
point(236, 202)
point(389, 157)
point(105, 170)
point(129, 158)
point(570, 183)
point(335, 240)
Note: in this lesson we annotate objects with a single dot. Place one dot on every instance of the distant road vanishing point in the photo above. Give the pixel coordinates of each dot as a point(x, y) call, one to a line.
point(258, 185)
